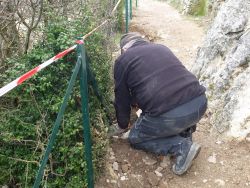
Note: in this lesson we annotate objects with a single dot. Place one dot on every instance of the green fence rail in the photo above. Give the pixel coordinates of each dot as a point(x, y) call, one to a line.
point(82, 72)
point(129, 12)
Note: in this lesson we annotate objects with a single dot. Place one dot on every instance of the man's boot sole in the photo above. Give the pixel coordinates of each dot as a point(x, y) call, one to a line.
point(192, 154)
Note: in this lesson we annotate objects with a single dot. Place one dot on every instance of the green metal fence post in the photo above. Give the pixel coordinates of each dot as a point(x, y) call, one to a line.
point(85, 112)
point(136, 3)
point(56, 126)
point(131, 9)
point(127, 16)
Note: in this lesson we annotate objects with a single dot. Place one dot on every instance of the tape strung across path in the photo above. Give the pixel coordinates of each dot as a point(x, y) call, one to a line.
point(32, 72)
point(29, 74)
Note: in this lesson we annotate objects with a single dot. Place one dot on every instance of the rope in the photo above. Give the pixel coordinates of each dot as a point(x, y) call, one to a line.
point(104, 22)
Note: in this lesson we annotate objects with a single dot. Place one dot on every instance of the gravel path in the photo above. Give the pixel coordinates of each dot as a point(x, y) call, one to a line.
point(220, 163)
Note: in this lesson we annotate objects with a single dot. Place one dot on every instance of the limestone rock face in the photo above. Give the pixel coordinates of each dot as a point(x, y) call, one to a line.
point(222, 65)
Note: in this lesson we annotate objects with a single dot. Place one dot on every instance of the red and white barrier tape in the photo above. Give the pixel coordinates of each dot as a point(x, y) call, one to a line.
point(29, 74)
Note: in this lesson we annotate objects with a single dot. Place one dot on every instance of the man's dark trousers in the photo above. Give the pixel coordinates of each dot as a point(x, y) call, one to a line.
point(170, 132)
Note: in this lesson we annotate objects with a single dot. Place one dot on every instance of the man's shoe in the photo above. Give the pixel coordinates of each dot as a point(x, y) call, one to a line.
point(184, 160)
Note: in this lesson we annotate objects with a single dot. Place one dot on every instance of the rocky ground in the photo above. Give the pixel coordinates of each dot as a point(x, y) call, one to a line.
point(221, 163)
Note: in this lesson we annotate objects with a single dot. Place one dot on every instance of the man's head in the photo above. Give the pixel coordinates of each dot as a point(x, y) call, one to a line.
point(128, 39)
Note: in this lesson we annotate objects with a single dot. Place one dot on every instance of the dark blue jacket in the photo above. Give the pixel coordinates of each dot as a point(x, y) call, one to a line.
point(151, 76)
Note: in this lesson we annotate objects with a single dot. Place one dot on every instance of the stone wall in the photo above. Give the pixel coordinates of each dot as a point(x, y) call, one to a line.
point(222, 65)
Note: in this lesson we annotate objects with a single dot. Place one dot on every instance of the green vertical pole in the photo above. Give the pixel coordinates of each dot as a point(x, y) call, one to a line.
point(85, 112)
point(56, 126)
point(127, 16)
point(131, 9)
point(136, 3)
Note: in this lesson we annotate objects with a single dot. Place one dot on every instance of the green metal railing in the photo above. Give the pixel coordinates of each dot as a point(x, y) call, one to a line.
point(83, 72)
point(129, 12)
point(131, 9)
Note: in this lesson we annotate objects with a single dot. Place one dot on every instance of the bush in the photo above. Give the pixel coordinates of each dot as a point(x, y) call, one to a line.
point(190, 7)
point(28, 113)
point(198, 8)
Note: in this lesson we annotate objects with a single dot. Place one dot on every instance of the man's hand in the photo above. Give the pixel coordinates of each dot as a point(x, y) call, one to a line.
point(115, 130)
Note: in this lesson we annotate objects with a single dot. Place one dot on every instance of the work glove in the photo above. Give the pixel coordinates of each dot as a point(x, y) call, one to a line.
point(115, 130)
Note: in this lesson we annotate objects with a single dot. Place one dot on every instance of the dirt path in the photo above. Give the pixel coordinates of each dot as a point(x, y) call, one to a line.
point(220, 164)
point(165, 25)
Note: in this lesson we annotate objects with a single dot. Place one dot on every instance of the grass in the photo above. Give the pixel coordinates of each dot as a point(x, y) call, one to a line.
point(201, 8)
point(198, 9)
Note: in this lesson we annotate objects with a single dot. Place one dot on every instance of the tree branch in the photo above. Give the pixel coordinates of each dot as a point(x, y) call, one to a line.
point(21, 160)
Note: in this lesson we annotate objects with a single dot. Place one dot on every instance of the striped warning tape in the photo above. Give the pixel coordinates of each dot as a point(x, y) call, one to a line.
point(29, 74)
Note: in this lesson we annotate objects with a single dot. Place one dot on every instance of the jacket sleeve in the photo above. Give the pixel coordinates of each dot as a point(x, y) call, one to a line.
point(122, 95)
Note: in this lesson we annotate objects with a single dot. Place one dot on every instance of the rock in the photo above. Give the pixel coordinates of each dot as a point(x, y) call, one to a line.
point(115, 166)
point(159, 169)
point(158, 173)
point(149, 161)
point(222, 66)
point(112, 173)
point(153, 179)
point(107, 180)
point(125, 168)
point(222, 163)
point(165, 162)
point(219, 182)
point(204, 181)
point(113, 181)
point(218, 142)
point(212, 158)
point(163, 183)
point(123, 178)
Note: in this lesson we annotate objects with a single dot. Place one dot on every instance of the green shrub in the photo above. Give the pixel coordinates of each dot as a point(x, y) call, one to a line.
point(120, 17)
point(28, 113)
point(199, 8)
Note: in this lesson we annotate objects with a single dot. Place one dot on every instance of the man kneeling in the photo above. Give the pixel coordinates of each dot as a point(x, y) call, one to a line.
point(170, 97)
